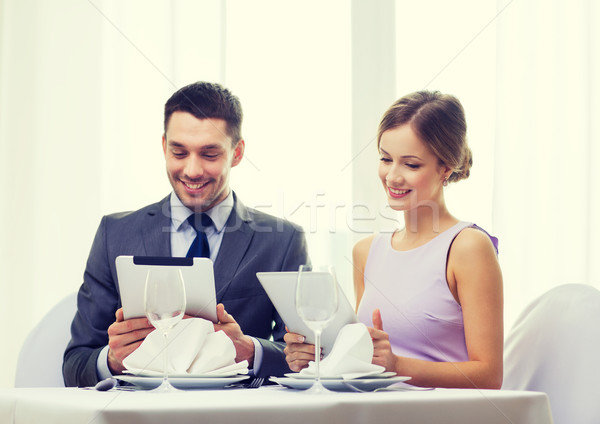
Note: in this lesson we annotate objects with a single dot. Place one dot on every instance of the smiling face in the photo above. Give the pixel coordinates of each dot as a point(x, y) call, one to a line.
point(199, 156)
point(409, 171)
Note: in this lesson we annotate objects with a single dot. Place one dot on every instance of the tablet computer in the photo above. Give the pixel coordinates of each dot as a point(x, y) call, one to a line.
point(281, 289)
point(198, 278)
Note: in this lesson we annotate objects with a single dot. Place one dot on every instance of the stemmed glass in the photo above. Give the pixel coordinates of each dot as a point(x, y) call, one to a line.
point(164, 302)
point(317, 304)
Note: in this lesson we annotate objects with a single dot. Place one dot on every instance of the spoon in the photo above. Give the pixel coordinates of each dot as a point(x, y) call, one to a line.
point(106, 384)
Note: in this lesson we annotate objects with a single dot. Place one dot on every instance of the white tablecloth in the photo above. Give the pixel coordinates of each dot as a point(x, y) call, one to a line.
point(272, 404)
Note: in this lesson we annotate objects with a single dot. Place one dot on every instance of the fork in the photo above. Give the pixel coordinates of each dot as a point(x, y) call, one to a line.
point(256, 383)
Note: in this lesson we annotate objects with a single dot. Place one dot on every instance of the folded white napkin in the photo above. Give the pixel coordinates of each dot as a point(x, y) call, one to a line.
point(194, 348)
point(350, 356)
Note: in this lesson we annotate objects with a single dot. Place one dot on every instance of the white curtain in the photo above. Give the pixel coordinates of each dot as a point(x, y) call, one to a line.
point(546, 183)
point(83, 84)
point(82, 88)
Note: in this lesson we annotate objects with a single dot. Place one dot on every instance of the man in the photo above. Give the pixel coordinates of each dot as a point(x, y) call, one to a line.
point(201, 143)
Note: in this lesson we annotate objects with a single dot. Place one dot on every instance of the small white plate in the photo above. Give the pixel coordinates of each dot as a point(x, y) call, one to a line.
point(301, 376)
point(183, 383)
point(341, 385)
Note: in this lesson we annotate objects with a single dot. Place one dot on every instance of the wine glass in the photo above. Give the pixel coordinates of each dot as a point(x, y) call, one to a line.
point(316, 304)
point(164, 302)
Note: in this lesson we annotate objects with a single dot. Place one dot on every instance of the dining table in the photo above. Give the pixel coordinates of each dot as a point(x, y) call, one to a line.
point(272, 404)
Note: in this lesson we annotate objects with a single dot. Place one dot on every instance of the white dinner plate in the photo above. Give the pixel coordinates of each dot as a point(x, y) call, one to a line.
point(183, 383)
point(341, 385)
point(147, 373)
point(300, 376)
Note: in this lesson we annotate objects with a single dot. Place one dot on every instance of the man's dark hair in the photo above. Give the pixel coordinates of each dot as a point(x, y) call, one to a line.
point(208, 100)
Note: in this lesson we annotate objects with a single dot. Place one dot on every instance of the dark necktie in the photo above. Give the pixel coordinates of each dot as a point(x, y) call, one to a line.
point(199, 247)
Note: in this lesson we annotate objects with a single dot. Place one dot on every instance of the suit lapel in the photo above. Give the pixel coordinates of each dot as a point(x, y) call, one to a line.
point(236, 240)
point(156, 230)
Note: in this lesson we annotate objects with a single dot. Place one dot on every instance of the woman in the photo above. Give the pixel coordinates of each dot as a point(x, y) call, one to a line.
point(433, 290)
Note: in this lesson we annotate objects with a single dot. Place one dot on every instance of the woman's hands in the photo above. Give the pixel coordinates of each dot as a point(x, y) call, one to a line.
point(382, 349)
point(297, 353)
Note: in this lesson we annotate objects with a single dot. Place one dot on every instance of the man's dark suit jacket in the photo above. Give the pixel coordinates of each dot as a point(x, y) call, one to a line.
point(253, 242)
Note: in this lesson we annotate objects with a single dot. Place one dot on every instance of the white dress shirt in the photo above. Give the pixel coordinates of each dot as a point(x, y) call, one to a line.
point(183, 234)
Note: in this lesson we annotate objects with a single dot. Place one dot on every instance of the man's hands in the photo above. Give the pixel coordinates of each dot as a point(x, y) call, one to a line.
point(125, 336)
point(244, 346)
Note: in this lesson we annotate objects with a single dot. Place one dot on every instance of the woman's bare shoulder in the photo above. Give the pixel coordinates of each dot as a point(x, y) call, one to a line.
point(362, 247)
point(473, 240)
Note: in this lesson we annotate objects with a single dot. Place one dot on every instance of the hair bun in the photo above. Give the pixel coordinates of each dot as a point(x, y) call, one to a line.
point(465, 169)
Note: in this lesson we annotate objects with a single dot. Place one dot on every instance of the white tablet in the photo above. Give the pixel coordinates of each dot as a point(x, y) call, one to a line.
point(198, 278)
point(281, 289)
